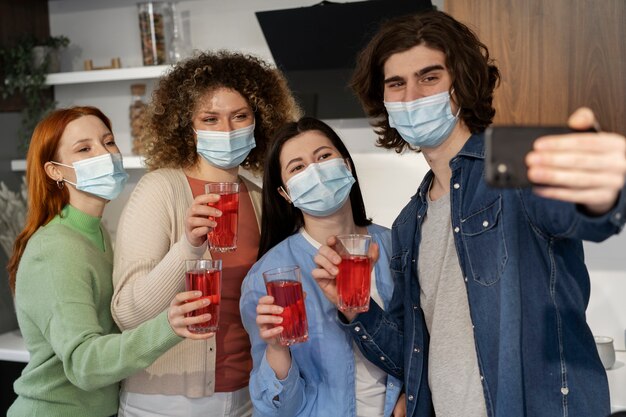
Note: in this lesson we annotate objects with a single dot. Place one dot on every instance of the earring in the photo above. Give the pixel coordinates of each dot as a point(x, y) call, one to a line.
point(60, 184)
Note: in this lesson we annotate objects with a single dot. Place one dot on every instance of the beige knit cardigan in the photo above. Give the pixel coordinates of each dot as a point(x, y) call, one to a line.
point(148, 272)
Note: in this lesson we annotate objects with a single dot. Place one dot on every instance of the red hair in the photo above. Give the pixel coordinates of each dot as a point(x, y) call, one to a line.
point(45, 198)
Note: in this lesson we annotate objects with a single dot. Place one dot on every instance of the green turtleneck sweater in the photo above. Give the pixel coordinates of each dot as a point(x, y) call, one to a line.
point(62, 298)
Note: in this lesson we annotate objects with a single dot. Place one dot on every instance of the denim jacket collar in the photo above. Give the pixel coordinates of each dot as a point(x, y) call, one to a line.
point(474, 147)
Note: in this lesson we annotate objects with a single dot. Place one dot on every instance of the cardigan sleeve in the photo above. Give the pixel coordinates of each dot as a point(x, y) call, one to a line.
point(151, 248)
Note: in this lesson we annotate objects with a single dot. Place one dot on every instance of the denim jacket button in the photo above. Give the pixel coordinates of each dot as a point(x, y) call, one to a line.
point(564, 390)
point(357, 329)
point(457, 186)
point(618, 216)
point(364, 337)
point(465, 278)
point(485, 223)
point(382, 358)
point(456, 229)
point(410, 398)
point(391, 385)
point(414, 307)
point(416, 350)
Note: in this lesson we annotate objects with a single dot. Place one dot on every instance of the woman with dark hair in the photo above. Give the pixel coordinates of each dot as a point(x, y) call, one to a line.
point(324, 376)
point(60, 272)
point(210, 116)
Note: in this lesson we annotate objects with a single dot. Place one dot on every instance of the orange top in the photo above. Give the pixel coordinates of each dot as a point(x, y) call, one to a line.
point(233, 360)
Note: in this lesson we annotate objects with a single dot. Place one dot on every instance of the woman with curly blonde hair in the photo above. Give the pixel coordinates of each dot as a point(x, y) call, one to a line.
point(209, 116)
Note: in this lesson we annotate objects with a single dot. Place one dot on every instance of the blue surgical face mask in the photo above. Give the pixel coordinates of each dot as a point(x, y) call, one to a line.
point(103, 176)
point(322, 188)
point(225, 149)
point(426, 122)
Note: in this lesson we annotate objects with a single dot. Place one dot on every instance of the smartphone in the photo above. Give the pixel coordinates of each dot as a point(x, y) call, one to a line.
point(506, 148)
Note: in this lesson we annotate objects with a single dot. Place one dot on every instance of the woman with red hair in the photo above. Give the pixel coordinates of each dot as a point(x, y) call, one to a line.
point(60, 273)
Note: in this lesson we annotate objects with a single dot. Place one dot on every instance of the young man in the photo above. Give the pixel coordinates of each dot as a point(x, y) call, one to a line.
point(488, 314)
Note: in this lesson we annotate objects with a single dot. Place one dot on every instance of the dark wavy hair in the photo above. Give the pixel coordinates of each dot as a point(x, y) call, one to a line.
point(280, 218)
point(168, 139)
point(474, 76)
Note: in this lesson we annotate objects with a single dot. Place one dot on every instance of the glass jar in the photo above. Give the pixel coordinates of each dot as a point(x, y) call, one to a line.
point(162, 40)
point(154, 28)
point(136, 114)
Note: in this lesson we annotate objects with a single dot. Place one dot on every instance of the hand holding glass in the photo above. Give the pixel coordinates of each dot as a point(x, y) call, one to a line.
point(353, 279)
point(223, 238)
point(285, 285)
point(205, 275)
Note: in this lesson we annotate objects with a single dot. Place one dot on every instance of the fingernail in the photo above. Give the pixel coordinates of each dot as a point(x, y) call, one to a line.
point(206, 301)
point(533, 158)
point(197, 293)
point(335, 270)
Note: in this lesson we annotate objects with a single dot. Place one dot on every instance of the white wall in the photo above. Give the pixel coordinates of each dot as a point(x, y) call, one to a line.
point(101, 30)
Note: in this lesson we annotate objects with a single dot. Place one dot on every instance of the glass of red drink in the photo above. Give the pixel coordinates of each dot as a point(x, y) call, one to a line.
point(285, 285)
point(223, 238)
point(205, 275)
point(354, 278)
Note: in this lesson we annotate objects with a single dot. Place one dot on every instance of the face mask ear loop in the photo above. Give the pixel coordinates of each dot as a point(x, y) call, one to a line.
point(63, 165)
point(347, 162)
point(285, 194)
point(459, 109)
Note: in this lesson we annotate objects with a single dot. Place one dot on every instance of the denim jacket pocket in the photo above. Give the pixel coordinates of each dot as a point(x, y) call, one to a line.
point(483, 240)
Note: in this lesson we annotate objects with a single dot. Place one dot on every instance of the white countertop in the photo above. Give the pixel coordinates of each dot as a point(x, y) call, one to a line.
point(12, 349)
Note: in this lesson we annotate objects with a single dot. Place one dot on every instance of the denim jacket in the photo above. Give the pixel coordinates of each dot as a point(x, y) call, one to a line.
point(321, 380)
point(528, 289)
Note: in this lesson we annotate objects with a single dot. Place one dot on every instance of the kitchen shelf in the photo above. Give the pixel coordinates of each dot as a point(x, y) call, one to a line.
point(130, 162)
point(117, 74)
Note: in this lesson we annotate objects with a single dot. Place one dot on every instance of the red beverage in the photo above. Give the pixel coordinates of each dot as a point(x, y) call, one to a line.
point(224, 237)
point(353, 283)
point(209, 282)
point(288, 294)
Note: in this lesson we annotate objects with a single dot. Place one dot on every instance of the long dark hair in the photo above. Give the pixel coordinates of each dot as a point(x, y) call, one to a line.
point(280, 218)
point(474, 75)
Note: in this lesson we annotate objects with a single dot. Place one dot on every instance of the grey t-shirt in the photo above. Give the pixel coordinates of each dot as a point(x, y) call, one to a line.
point(453, 373)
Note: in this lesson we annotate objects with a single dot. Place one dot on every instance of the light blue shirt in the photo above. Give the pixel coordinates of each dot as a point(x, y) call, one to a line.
point(321, 380)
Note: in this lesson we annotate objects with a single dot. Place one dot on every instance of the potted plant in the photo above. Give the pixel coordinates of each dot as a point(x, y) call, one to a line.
point(24, 67)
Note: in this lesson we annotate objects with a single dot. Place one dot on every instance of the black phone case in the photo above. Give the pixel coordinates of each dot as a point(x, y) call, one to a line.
point(506, 148)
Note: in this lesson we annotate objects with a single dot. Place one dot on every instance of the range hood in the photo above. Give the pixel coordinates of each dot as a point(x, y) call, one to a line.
point(316, 48)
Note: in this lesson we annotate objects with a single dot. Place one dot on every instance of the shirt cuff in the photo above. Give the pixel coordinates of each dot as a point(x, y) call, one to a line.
point(279, 390)
point(370, 320)
point(189, 251)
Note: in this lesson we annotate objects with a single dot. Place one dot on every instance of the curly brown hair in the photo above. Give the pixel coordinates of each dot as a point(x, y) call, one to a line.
point(168, 139)
point(474, 76)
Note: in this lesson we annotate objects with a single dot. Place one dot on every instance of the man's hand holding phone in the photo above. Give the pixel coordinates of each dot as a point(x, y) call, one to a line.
point(579, 167)
point(583, 168)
